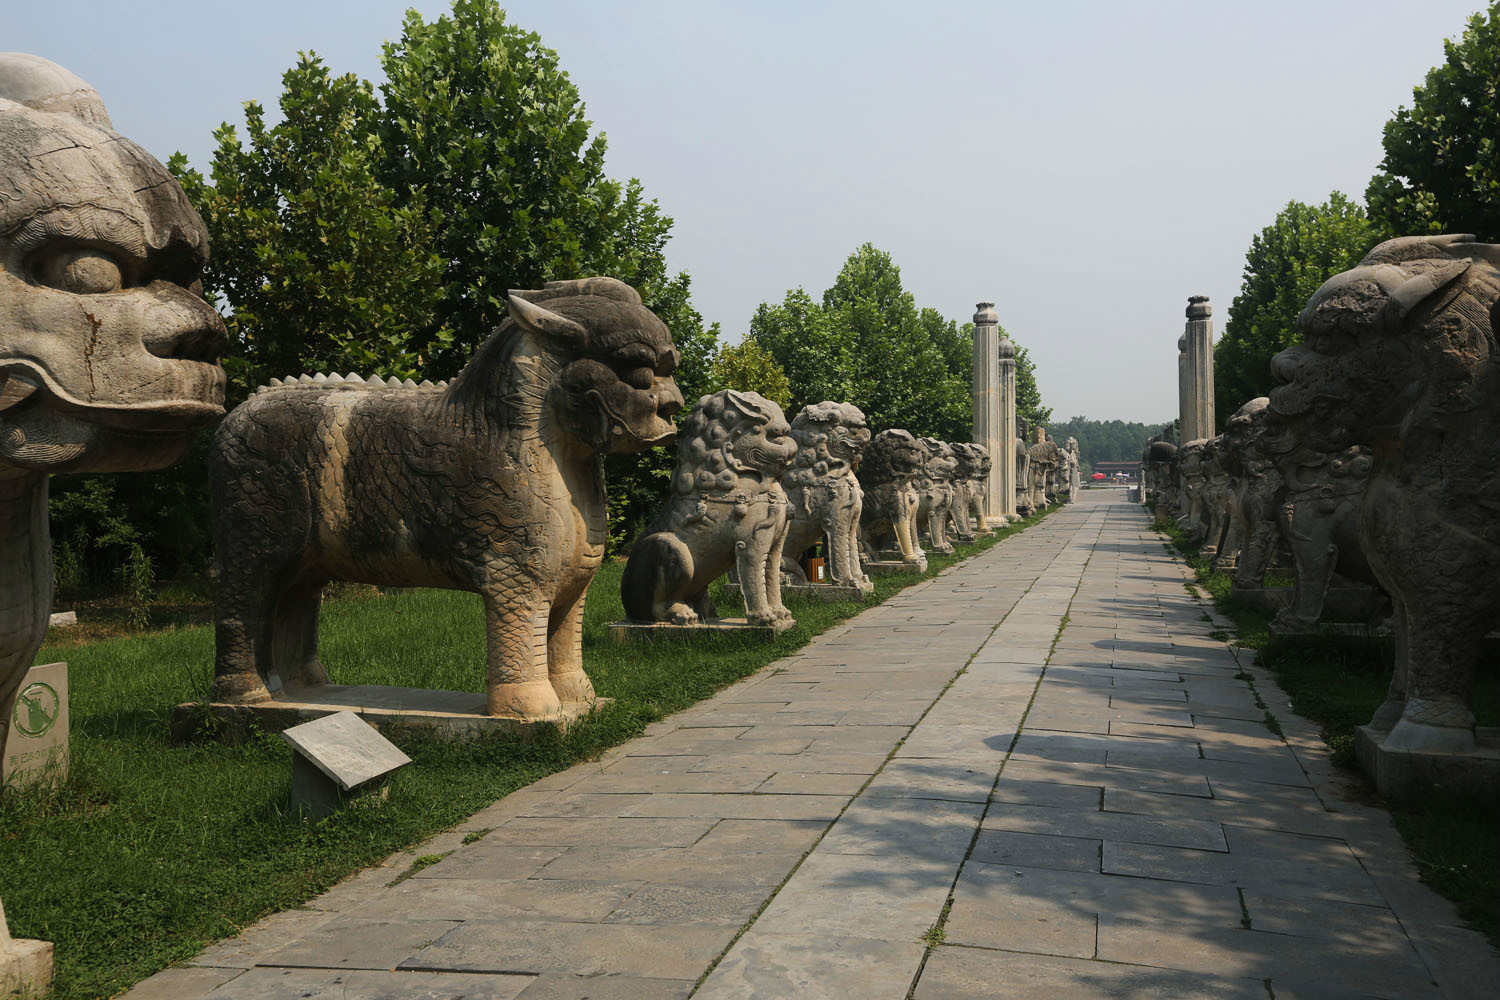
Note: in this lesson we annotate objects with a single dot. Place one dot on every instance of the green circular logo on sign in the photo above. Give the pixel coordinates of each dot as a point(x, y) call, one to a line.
point(36, 709)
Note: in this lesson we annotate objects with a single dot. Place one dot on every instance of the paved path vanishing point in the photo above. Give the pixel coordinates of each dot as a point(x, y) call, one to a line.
point(1036, 775)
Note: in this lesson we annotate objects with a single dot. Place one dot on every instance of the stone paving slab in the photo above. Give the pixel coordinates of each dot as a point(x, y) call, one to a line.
point(956, 794)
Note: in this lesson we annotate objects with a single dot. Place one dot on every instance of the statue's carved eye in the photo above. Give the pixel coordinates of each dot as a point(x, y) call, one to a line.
point(80, 270)
point(638, 378)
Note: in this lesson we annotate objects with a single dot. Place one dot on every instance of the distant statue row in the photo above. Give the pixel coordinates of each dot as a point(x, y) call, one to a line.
point(1371, 463)
point(751, 493)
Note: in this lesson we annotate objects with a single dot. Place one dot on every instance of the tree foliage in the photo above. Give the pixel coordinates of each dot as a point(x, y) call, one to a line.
point(1286, 263)
point(869, 344)
point(1441, 171)
point(1104, 440)
point(749, 367)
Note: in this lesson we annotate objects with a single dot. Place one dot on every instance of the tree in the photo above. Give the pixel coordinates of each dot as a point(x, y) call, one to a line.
point(1103, 440)
point(868, 344)
point(1286, 263)
point(1028, 397)
point(1441, 172)
point(749, 367)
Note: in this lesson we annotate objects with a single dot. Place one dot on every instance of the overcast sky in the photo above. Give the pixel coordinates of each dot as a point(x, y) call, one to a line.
point(1087, 166)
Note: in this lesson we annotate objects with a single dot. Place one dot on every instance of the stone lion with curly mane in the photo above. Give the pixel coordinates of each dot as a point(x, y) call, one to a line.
point(727, 509)
point(824, 494)
point(891, 465)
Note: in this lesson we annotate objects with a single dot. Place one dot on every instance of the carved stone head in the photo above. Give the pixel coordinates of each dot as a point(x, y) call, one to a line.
point(108, 354)
point(893, 455)
point(615, 391)
point(832, 437)
point(941, 462)
point(732, 440)
point(1412, 318)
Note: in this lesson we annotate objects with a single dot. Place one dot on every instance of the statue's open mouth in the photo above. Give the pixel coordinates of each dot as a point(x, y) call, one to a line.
point(23, 382)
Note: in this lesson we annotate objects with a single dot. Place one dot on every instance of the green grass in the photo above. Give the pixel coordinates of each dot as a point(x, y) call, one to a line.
point(1338, 682)
point(149, 851)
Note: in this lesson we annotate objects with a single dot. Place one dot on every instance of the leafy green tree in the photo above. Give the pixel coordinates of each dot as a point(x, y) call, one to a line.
point(1441, 171)
point(749, 367)
point(1286, 263)
point(1103, 440)
point(868, 344)
point(1028, 396)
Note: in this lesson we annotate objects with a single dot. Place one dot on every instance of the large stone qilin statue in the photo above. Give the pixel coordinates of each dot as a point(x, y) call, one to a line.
point(108, 356)
point(891, 465)
point(727, 510)
point(490, 483)
point(1399, 353)
point(935, 493)
point(824, 493)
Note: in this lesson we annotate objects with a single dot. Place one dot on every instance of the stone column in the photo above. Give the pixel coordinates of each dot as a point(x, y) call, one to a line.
point(1200, 365)
point(987, 400)
point(1005, 457)
point(1184, 394)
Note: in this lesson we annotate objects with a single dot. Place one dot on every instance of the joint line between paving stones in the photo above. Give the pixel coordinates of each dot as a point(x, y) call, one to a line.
point(894, 750)
point(935, 933)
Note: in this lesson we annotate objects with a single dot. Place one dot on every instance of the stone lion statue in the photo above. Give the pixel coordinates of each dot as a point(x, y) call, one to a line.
point(935, 493)
point(727, 509)
point(973, 465)
point(489, 484)
point(824, 493)
point(891, 465)
point(1399, 354)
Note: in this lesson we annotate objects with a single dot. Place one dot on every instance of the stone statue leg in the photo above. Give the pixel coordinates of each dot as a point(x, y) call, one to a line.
point(517, 684)
point(773, 572)
point(839, 556)
point(1389, 713)
point(243, 609)
point(1314, 557)
point(565, 652)
point(294, 635)
point(750, 556)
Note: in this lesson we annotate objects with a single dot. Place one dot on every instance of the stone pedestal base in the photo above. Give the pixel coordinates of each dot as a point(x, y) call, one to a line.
point(25, 966)
point(455, 714)
point(886, 567)
point(631, 632)
point(1408, 775)
point(813, 591)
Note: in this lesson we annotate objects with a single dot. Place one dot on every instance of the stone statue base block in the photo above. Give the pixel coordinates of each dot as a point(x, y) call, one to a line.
point(812, 591)
point(636, 632)
point(25, 966)
point(454, 714)
point(888, 567)
point(1412, 775)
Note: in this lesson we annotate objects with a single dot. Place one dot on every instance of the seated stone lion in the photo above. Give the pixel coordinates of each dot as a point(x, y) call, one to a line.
point(727, 509)
point(889, 519)
point(1399, 354)
point(823, 492)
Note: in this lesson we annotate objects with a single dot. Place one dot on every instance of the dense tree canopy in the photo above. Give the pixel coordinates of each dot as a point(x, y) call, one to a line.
point(1286, 263)
point(1104, 440)
point(1441, 172)
point(869, 344)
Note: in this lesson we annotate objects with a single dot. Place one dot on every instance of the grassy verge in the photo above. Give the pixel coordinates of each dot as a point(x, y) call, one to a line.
point(150, 851)
point(1338, 682)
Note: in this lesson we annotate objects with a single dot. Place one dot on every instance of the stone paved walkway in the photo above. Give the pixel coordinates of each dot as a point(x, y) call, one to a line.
point(1082, 800)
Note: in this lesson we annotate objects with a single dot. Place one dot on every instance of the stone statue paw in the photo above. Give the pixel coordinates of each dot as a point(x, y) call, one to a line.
point(681, 614)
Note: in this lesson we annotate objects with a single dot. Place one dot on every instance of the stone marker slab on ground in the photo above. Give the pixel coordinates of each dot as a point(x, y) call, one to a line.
point(36, 747)
point(336, 757)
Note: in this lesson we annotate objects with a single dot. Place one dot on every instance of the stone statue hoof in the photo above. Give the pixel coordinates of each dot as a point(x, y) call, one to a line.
point(573, 688)
point(240, 690)
point(681, 614)
point(761, 617)
point(1387, 715)
point(528, 700)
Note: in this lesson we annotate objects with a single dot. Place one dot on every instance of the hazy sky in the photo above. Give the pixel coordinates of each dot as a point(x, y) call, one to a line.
point(1085, 165)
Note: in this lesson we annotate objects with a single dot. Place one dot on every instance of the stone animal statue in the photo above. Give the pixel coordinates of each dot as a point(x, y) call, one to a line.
point(1043, 458)
point(109, 357)
point(935, 493)
point(108, 354)
point(491, 483)
point(1192, 478)
point(1218, 496)
point(1075, 469)
point(1024, 495)
point(967, 511)
point(824, 493)
point(1399, 354)
point(891, 465)
point(978, 491)
point(727, 510)
point(1161, 465)
point(1258, 487)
